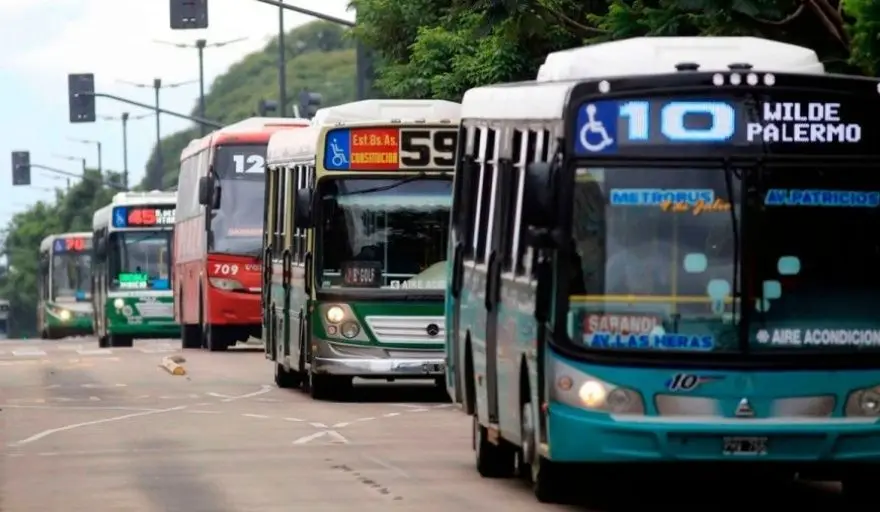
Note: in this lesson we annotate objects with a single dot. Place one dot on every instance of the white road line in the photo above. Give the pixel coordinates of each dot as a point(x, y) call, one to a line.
point(202, 411)
point(369, 418)
point(340, 425)
point(28, 352)
point(387, 465)
point(391, 414)
point(103, 386)
point(49, 432)
point(336, 436)
point(264, 390)
point(78, 407)
point(296, 420)
point(259, 416)
point(218, 395)
point(318, 425)
point(94, 352)
point(418, 410)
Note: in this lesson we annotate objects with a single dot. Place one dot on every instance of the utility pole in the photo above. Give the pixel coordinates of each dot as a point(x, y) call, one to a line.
point(157, 86)
point(282, 65)
point(201, 45)
point(96, 142)
point(125, 118)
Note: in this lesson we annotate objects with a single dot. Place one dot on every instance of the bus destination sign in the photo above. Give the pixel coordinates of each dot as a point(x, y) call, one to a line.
point(390, 149)
point(143, 216)
point(788, 122)
point(78, 244)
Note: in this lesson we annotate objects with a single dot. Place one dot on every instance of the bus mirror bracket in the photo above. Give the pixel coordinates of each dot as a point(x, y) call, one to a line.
point(101, 247)
point(302, 215)
point(209, 193)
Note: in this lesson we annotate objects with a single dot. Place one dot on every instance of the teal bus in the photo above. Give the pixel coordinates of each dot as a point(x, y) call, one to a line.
point(664, 251)
point(64, 282)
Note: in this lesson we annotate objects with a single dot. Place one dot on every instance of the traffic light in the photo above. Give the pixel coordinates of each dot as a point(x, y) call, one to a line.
point(189, 14)
point(21, 168)
point(309, 102)
point(81, 97)
point(265, 107)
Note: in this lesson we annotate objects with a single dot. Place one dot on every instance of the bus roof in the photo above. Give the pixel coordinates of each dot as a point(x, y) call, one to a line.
point(47, 242)
point(546, 97)
point(302, 145)
point(252, 130)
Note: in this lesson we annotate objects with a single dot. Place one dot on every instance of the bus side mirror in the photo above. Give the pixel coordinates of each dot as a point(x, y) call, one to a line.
point(44, 266)
point(101, 247)
point(538, 197)
point(206, 189)
point(302, 213)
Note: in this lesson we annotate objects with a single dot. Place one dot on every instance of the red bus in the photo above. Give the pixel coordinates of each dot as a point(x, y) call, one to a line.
point(218, 233)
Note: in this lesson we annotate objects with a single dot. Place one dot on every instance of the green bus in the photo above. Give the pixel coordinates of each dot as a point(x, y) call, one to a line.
point(357, 217)
point(65, 288)
point(132, 268)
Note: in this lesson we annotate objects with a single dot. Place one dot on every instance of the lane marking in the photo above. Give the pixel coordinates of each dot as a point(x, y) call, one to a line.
point(341, 425)
point(265, 389)
point(28, 352)
point(336, 436)
point(103, 386)
point(387, 465)
point(94, 352)
point(78, 407)
point(390, 414)
point(293, 419)
point(65, 428)
point(202, 411)
point(318, 425)
point(259, 416)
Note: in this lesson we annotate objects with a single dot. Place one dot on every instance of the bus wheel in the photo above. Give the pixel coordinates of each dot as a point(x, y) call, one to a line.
point(493, 460)
point(858, 490)
point(283, 378)
point(103, 342)
point(190, 337)
point(44, 334)
point(121, 341)
point(544, 474)
point(215, 339)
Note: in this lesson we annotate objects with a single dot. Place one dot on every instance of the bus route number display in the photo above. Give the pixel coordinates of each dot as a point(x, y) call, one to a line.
point(390, 149)
point(72, 245)
point(143, 216)
point(783, 123)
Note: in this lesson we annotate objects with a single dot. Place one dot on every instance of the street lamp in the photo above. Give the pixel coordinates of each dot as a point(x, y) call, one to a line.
point(157, 85)
point(100, 156)
point(72, 159)
point(125, 118)
point(200, 45)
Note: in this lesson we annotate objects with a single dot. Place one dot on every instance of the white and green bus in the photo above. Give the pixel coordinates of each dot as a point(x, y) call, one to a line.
point(64, 284)
point(132, 268)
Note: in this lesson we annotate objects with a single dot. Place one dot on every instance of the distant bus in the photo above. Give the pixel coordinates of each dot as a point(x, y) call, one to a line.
point(132, 268)
point(357, 218)
point(218, 238)
point(4, 319)
point(64, 280)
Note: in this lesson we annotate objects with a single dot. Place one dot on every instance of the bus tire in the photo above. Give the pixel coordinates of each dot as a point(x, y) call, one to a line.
point(283, 378)
point(858, 491)
point(117, 340)
point(215, 340)
point(493, 461)
point(103, 342)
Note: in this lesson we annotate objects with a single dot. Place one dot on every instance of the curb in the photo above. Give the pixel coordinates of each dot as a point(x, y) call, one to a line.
point(172, 365)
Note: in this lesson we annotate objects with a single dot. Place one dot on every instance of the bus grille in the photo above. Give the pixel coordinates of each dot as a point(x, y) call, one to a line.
point(155, 309)
point(407, 329)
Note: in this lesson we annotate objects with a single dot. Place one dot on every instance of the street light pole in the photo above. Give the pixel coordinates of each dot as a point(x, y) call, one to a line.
point(125, 118)
point(282, 65)
point(200, 45)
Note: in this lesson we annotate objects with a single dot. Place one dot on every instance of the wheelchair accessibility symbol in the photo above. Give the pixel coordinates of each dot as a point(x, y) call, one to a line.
point(597, 122)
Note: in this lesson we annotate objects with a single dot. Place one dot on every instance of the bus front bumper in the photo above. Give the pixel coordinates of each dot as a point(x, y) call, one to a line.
point(580, 436)
point(357, 361)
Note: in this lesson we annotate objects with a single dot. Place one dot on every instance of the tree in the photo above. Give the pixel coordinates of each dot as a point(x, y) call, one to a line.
point(71, 211)
point(440, 48)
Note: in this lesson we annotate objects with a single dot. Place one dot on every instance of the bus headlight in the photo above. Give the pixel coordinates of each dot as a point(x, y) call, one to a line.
point(64, 315)
point(577, 389)
point(335, 315)
point(350, 329)
point(118, 303)
point(225, 284)
point(864, 402)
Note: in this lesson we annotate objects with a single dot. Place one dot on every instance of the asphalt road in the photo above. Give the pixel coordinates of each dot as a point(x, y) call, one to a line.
point(108, 430)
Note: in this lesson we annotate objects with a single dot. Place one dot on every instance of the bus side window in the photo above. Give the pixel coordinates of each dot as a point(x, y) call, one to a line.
point(483, 197)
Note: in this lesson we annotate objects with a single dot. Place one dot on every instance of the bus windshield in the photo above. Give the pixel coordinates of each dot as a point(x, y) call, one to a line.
point(817, 260)
point(653, 252)
point(384, 233)
point(140, 260)
point(237, 225)
point(71, 276)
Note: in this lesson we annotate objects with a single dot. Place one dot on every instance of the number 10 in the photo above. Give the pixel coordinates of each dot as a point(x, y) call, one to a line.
point(672, 125)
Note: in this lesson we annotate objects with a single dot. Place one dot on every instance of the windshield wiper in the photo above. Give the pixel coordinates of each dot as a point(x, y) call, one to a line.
point(383, 188)
point(729, 175)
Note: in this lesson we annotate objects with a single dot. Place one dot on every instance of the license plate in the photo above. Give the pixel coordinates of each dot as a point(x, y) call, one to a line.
point(432, 367)
point(745, 446)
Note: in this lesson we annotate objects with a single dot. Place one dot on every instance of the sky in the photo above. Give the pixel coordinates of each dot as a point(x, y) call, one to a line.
point(44, 40)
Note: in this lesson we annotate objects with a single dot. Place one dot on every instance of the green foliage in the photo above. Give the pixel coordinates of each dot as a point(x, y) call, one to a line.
point(440, 48)
point(71, 211)
point(320, 58)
